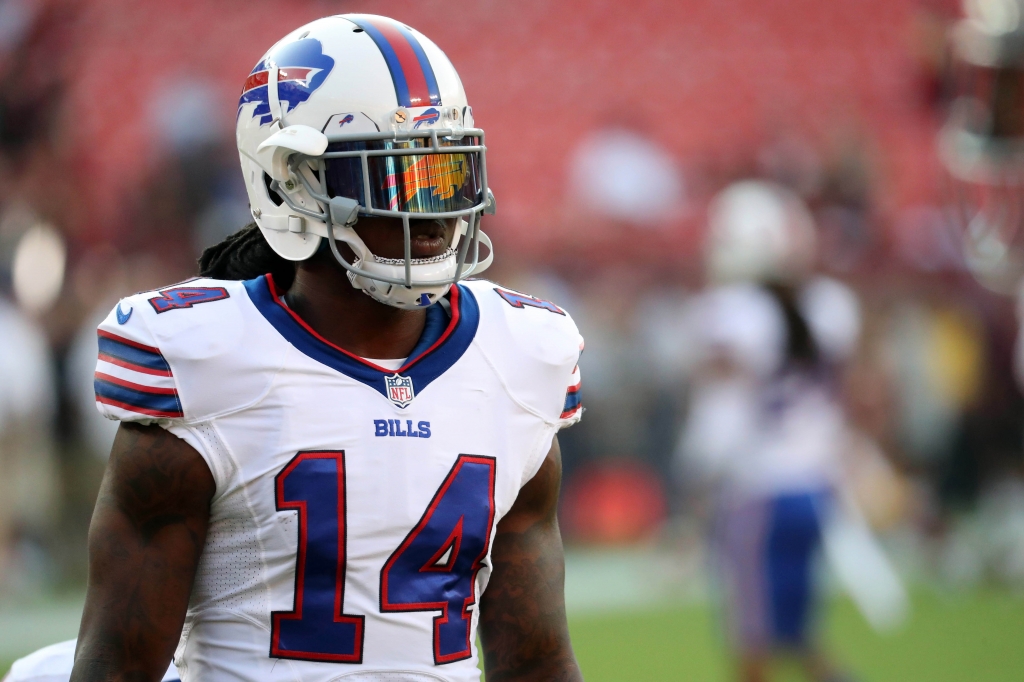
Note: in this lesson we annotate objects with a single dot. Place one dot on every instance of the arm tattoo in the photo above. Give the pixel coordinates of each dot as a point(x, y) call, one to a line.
point(146, 536)
point(522, 612)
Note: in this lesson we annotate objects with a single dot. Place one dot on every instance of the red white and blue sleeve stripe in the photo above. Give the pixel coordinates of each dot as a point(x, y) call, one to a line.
point(134, 380)
point(573, 408)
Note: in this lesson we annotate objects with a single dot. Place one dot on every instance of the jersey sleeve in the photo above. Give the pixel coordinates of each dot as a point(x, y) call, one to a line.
point(832, 311)
point(572, 408)
point(184, 355)
point(134, 381)
point(535, 347)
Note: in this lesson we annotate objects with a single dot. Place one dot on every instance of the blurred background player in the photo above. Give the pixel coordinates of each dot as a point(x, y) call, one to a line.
point(766, 429)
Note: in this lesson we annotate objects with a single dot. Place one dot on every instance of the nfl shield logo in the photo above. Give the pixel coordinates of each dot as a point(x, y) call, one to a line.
point(399, 390)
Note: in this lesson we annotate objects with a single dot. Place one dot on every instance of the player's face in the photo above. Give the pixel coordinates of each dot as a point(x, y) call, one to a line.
point(384, 236)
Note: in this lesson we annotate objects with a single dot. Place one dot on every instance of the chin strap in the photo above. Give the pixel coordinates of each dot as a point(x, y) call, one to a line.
point(273, 98)
point(331, 239)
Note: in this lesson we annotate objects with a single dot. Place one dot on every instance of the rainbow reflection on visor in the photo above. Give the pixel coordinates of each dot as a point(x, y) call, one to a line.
point(428, 183)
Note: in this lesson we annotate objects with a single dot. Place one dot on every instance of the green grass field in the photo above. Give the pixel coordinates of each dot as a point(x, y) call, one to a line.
point(968, 638)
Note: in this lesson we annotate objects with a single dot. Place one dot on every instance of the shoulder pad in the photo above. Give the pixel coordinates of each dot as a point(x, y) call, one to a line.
point(535, 347)
point(186, 352)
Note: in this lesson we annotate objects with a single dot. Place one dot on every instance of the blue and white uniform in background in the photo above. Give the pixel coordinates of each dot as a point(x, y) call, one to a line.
point(767, 437)
point(54, 664)
point(351, 528)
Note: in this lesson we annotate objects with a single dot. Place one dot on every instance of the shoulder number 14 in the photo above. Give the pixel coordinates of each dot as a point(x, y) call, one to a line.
point(433, 569)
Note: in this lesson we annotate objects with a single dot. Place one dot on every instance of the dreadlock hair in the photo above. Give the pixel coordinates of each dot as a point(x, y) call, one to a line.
point(246, 255)
point(801, 347)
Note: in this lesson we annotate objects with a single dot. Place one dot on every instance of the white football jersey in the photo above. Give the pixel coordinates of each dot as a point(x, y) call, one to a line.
point(350, 533)
point(54, 664)
point(765, 430)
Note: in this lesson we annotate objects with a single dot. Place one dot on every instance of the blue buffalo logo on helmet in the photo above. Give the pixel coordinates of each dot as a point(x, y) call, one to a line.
point(429, 117)
point(302, 68)
point(348, 119)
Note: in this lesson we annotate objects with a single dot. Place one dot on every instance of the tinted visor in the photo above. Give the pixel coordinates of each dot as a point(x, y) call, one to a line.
point(427, 183)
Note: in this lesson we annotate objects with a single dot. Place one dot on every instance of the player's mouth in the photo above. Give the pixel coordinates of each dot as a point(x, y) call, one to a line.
point(429, 238)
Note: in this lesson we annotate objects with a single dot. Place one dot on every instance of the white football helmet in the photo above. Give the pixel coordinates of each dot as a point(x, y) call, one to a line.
point(356, 115)
point(758, 231)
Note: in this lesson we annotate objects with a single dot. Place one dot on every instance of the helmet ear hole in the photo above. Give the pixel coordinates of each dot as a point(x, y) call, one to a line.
point(274, 196)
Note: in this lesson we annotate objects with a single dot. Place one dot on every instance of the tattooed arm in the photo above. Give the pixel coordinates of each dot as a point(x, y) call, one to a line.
point(145, 539)
point(522, 611)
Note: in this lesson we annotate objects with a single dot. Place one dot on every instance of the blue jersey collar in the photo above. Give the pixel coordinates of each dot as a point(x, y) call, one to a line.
point(441, 345)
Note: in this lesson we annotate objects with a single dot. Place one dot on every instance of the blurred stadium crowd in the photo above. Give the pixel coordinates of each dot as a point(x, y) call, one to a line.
point(611, 127)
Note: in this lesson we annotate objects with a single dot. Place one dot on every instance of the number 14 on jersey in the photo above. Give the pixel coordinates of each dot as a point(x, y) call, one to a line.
point(433, 569)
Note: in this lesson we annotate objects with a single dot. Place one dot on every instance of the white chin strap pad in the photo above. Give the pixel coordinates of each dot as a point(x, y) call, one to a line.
point(397, 295)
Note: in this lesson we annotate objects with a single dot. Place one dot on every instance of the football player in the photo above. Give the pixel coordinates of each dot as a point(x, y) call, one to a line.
point(337, 455)
point(765, 428)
